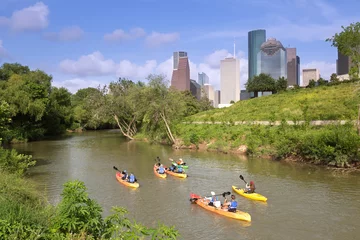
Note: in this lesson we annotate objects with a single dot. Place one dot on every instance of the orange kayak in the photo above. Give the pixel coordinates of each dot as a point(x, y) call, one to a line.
point(239, 215)
point(126, 183)
point(164, 175)
point(179, 175)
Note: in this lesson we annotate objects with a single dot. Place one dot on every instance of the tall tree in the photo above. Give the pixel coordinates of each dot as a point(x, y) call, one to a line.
point(348, 43)
point(261, 83)
point(281, 84)
point(334, 78)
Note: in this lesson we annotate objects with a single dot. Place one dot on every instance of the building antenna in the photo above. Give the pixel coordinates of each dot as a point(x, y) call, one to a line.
point(234, 47)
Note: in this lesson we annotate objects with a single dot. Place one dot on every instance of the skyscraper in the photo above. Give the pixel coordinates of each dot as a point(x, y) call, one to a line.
point(203, 79)
point(230, 80)
point(195, 89)
point(343, 64)
point(180, 79)
point(255, 39)
point(291, 66)
point(298, 70)
point(272, 59)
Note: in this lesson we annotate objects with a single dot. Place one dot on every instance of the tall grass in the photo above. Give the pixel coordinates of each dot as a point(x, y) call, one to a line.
point(339, 102)
point(337, 145)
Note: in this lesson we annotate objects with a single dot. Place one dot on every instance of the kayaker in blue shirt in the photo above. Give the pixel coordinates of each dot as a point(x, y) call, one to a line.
point(172, 167)
point(131, 178)
point(180, 169)
point(232, 205)
point(124, 175)
point(161, 169)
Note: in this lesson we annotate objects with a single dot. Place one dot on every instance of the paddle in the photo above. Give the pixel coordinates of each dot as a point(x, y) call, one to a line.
point(222, 194)
point(242, 178)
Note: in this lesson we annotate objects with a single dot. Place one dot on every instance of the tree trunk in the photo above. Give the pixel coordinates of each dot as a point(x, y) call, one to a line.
point(168, 128)
point(121, 128)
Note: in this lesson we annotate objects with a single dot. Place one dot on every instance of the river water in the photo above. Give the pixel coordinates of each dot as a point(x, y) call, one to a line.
point(304, 202)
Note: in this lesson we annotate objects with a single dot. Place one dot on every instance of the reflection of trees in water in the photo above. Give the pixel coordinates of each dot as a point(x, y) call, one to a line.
point(302, 172)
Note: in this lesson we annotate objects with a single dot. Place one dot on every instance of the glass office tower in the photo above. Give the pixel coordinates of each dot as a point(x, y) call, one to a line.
point(272, 59)
point(255, 39)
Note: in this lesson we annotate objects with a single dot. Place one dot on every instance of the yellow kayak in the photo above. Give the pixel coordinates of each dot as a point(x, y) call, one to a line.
point(253, 196)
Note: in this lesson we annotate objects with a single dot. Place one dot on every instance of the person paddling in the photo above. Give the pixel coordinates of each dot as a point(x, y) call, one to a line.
point(132, 178)
point(232, 205)
point(250, 188)
point(213, 199)
point(161, 169)
point(124, 175)
point(180, 162)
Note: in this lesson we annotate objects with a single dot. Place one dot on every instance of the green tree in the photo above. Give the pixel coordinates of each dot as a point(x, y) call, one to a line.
point(312, 83)
point(261, 83)
point(281, 84)
point(321, 82)
point(348, 43)
point(8, 69)
point(334, 78)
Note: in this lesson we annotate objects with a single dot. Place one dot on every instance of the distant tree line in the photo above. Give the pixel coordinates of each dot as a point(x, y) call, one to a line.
point(31, 108)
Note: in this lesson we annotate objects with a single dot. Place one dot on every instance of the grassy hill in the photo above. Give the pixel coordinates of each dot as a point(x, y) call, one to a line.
point(339, 102)
point(336, 145)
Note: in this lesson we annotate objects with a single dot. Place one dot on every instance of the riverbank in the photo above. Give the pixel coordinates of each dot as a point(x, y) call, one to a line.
point(331, 145)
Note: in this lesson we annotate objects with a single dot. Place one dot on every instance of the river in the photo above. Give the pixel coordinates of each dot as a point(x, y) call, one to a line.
point(304, 202)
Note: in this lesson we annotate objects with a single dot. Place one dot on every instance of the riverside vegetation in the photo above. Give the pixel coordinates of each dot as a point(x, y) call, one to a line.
point(32, 109)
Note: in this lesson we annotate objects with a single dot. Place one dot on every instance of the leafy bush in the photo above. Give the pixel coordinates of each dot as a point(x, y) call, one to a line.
point(13, 162)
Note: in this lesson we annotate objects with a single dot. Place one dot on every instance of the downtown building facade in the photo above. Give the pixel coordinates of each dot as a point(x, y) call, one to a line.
point(272, 59)
point(180, 79)
point(195, 89)
point(203, 79)
point(255, 39)
point(310, 74)
point(293, 67)
point(230, 80)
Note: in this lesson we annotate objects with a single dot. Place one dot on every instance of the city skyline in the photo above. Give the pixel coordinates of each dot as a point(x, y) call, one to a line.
point(88, 49)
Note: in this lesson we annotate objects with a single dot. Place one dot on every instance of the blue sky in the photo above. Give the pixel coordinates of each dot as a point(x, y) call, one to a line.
point(86, 43)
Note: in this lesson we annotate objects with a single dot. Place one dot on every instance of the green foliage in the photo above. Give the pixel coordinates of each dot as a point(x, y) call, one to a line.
point(319, 144)
point(13, 162)
point(77, 212)
point(330, 102)
point(281, 84)
point(348, 43)
point(334, 78)
point(312, 83)
point(261, 83)
point(321, 82)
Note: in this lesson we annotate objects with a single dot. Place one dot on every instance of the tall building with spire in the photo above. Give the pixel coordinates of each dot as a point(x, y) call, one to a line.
point(230, 79)
point(180, 79)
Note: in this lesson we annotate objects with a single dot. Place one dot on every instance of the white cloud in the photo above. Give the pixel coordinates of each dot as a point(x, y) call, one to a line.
point(213, 60)
point(96, 65)
point(72, 33)
point(119, 35)
point(130, 70)
point(90, 65)
point(33, 18)
point(157, 39)
point(325, 68)
point(77, 83)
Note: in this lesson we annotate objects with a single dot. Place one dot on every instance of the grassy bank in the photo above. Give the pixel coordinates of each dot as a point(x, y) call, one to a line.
point(332, 145)
point(335, 145)
point(339, 102)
